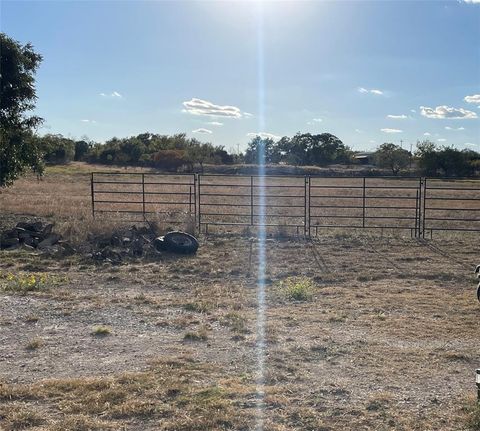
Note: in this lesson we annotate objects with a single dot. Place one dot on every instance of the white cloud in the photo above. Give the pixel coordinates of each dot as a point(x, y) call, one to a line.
point(247, 114)
point(372, 91)
point(454, 129)
point(413, 110)
point(472, 1)
point(474, 98)
point(115, 94)
point(358, 131)
point(263, 135)
point(314, 120)
point(203, 107)
point(442, 112)
point(397, 117)
point(215, 123)
point(387, 130)
point(441, 140)
point(427, 134)
point(88, 121)
point(469, 144)
point(202, 130)
point(372, 141)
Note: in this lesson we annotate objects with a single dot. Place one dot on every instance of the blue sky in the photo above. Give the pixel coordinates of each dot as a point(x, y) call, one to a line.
point(367, 71)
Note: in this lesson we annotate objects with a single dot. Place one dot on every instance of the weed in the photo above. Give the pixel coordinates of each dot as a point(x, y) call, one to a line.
point(297, 288)
point(473, 416)
point(236, 322)
point(381, 316)
point(24, 283)
point(18, 417)
point(101, 331)
point(200, 335)
point(34, 344)
point(31, 318)
point(198, 307)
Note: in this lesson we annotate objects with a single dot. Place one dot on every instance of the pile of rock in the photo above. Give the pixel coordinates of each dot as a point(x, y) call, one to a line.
point(34, 235)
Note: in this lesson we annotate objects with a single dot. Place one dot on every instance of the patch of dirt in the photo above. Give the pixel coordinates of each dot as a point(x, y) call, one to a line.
point(383, 341)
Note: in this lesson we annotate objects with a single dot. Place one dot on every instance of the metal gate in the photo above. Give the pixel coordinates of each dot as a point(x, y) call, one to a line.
point(451, 205)
point(304, 203)
point(239, 200)
point(138, 194)
point(367, 203)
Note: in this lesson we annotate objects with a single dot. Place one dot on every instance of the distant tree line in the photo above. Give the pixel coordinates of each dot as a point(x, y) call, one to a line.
point(176, 152)
point(430, 160)
point(146, 149)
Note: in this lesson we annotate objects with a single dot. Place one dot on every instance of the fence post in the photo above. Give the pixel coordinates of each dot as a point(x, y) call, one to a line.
point(143, 195)
point(305, 206)
point(251, 200)
point(190, 200)
point(416, 214)
point(309, 205)
point(424, 213)
point(93, 195)
point(199, 206)
point(195, 198)
point(364, 201)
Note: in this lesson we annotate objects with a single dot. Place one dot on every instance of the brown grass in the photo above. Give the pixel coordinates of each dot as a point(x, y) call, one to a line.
point(387, 338)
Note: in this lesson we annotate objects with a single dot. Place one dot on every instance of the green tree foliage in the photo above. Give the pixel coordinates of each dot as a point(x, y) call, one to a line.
point(170, 160)
point(301, 149)
point(149, 149)
point(18, 151)
point(445, 161)
point(82, 148)
point(56, 149)
point(426, 156)
point(260, 151)
point(392, 157)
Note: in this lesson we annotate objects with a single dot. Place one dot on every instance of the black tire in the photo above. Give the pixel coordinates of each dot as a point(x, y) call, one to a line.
point(181, 242)
point(160, 244)
point(478, 293)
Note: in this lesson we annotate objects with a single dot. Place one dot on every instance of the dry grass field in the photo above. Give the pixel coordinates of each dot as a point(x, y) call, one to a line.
point(363, 331)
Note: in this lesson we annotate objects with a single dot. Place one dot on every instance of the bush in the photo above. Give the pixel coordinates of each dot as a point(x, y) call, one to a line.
point(170, 160)
point(297, 288)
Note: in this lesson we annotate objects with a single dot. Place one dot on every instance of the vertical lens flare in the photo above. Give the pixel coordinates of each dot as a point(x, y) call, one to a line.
point(260, 342)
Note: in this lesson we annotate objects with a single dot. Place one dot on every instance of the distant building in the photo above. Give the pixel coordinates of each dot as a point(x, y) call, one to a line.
point(364, 158)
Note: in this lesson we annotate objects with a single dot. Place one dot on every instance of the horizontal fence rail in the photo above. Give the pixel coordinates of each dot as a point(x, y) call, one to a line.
point(304, 203)
point(451, 204)
point(139, 194)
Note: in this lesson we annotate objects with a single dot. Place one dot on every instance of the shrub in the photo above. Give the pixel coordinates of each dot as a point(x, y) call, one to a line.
point(297, 288)
point(101, 331)
point(23, 283)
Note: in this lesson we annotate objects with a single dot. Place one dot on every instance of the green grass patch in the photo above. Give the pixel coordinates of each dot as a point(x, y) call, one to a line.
point(297, 288)
point(31, 282)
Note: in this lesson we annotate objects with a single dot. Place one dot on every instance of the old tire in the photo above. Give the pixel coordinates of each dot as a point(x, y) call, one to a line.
point(181, 242)
point(160, 244)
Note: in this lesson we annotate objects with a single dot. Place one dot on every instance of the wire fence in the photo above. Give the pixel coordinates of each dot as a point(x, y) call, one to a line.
point(304, 203)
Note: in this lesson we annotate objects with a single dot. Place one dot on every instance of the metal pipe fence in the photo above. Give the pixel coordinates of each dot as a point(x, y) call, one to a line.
point(304, 203)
